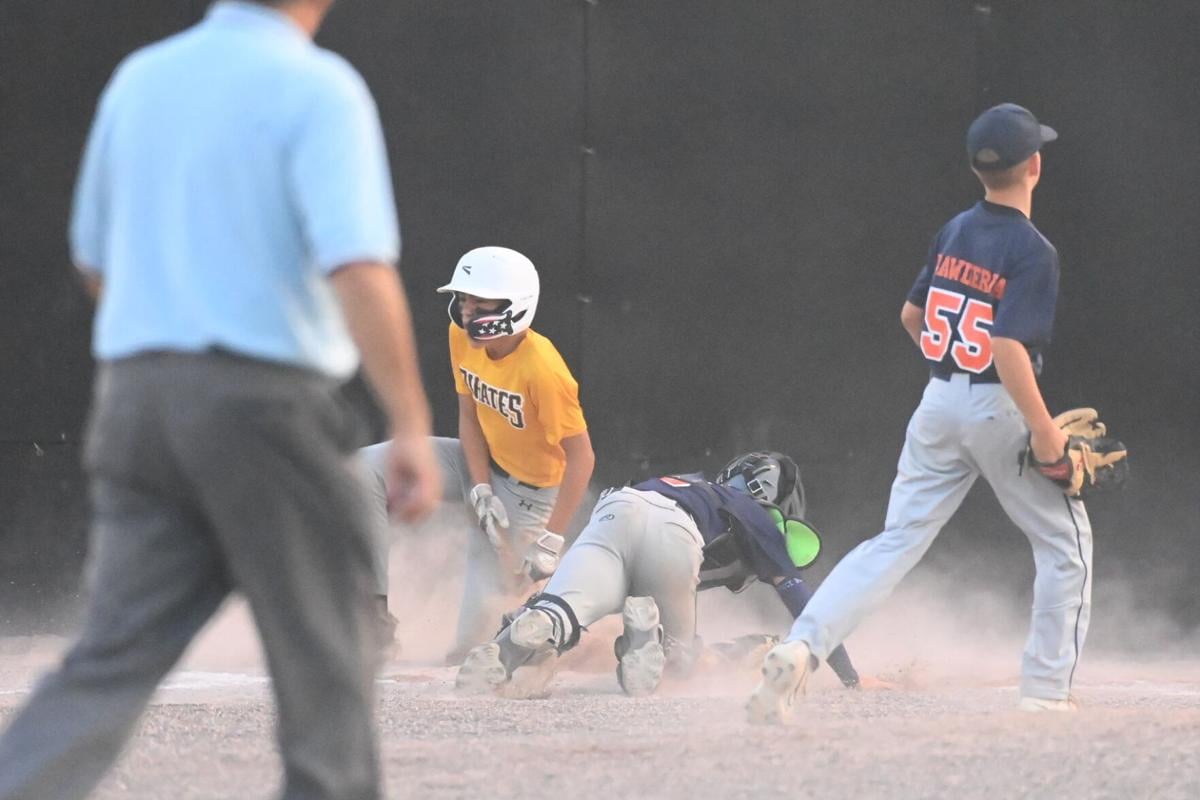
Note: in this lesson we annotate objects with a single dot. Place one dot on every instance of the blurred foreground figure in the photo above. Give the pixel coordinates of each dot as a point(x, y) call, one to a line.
point(234, 213)
point(981, 312)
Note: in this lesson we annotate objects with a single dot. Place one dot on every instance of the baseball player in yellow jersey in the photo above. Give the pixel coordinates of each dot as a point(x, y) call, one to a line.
point(523, 457)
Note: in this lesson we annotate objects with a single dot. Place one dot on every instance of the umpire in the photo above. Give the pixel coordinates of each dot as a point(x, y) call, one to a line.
point(234, 213)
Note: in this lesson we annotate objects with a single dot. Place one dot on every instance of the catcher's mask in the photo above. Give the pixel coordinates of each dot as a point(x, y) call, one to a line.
point(771, 478)
point(494, 273)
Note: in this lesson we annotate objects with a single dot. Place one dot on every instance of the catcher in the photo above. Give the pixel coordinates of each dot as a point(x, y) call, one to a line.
point(646, 551)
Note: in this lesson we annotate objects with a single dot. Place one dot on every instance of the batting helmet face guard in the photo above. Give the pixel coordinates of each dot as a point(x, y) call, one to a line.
point(495, 273)
point(770, 478)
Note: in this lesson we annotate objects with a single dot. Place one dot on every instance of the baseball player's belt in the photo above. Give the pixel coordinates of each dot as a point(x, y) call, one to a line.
point(499, 470)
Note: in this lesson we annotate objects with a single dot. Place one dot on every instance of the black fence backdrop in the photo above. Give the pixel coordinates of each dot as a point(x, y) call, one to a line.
point(727, 202)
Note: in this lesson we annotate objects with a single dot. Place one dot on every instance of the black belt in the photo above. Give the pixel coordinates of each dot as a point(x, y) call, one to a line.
point(502, 471)
point(944, 375)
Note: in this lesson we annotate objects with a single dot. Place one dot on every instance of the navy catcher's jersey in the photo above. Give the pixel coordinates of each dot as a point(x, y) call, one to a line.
point(764, 546)
point(990, 273)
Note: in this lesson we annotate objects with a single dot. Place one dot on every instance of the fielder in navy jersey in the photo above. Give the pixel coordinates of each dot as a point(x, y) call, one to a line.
point(646, 551)
point(981, 312)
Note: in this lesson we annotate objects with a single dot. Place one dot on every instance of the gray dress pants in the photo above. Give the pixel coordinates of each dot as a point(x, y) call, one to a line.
point(212, 473)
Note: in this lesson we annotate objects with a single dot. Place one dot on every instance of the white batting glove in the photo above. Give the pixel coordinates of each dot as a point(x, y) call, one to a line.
point(541, 559)
point(492, 516)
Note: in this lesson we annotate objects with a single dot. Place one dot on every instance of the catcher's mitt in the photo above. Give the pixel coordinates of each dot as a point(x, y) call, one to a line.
point(1092, 462)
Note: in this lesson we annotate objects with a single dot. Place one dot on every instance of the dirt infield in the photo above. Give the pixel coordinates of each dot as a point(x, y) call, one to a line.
point(209, 735)
point(949, 730)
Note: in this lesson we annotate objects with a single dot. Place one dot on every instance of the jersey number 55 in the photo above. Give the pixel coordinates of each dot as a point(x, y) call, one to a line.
point(972, 351)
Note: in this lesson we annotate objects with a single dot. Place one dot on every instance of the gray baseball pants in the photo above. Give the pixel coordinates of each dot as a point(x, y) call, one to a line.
point(636, 544)
point(958, 433)
point(212, 473)
point(489, 588)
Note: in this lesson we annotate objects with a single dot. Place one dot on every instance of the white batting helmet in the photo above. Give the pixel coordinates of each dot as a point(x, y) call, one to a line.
point(495, 273)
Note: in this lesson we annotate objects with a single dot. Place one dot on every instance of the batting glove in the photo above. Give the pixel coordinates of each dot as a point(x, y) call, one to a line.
point(542, 557)
point(492, 516)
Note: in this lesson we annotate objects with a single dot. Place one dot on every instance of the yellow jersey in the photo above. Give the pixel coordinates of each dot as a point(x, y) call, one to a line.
point(527, 403)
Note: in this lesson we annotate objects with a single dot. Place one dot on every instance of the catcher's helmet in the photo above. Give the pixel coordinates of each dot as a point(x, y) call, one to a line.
point(771, 478)
point(495, 273)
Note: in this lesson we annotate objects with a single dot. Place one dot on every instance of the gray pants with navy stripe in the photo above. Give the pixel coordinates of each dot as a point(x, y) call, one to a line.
point(487, 592)
point(958, 433)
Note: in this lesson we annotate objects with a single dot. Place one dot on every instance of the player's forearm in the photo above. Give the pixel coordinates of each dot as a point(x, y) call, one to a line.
point(581, 460)
point(911, 317)
point(1016, 374)
point(377, 316)
point(475, 448)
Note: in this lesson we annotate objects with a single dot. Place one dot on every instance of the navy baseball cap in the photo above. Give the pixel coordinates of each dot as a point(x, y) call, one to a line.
point(1005, 135)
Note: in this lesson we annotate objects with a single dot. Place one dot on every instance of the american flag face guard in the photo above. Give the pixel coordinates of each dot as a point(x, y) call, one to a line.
point(491, 327)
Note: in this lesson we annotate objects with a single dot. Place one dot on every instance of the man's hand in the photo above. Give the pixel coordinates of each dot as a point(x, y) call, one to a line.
point(413, 478)
point(492, 516)
point(541, 559)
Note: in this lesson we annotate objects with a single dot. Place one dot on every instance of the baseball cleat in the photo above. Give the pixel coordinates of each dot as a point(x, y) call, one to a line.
point(640, 654)
point(482, 671)
point(1036, 704)
point(784, 675)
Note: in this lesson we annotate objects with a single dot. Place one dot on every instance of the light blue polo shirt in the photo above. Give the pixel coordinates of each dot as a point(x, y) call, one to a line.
point(230, 168)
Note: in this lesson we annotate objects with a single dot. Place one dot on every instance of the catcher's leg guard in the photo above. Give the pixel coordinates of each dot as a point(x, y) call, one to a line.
point(784, 675)
point(639, 650)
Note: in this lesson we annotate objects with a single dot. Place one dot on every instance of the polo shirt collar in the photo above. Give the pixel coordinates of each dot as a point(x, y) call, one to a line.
point(253, 16)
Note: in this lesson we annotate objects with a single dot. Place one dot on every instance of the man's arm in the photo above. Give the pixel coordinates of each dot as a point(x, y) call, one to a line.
point(912, 317)
point(475, 447)
point(377, 315)
point(1016, 374)
point(581, 459)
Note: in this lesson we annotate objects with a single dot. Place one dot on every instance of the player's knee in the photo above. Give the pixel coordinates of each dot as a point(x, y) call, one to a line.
point(564, 627)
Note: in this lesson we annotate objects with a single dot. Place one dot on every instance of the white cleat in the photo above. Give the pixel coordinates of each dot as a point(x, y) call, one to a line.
point(784, 675)
point(1037, 704)
point(640, 654)
point(482, 671)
